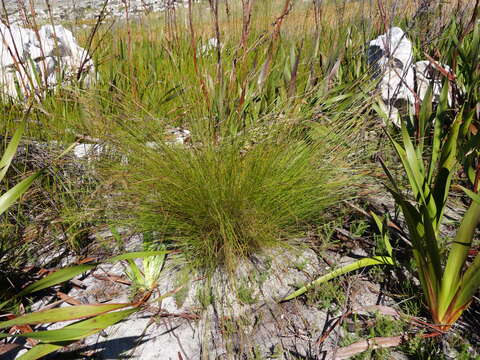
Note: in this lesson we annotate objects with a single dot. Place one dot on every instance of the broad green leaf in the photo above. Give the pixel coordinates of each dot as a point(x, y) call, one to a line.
point(448, 160)
point(62, 314)
point(449, 150)
point(431, 248)
point(458, 254)
point(10, 151)
point(413, 164)
point(80, 329)
point(41, 350)
point(474, 196)
point(436, 144)
point(87, 327)
point(428, 278)
point(408, 158)
point(12, 195)
point(475, 46)
point(470, 283)
point(467, 121)
point(376, 260)
point(56, 278)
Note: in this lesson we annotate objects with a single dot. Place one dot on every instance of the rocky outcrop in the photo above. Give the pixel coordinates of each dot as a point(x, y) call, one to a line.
point(80, 10)
point(401, 81)
point(426, 74)
point(390, 56)
point(33, 61)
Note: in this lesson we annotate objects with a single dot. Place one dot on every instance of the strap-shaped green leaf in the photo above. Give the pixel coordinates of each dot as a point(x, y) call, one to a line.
point(41, 350)
point(458, 254)
point(74, 332)
point(448, 160)
point(10, 151)
point(12, 195)
point(80, 329)
point(470, 284)
point(56, 278)
point(424, 117)
point(62, 314)
point(376, 260)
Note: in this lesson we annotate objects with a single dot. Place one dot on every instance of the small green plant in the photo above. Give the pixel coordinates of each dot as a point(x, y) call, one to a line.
point(329, 296)
point(145, 279)
point(205, 295)
point(358, 228)
point(448, 291)
point(245, 293)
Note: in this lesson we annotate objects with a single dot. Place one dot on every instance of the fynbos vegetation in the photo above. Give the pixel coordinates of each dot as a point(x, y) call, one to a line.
point(214, 162)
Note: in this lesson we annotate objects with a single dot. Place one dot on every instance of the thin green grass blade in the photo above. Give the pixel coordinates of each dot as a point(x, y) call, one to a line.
point(379, 109)
point(134, 271)
point(389, 175)
point(376, 260)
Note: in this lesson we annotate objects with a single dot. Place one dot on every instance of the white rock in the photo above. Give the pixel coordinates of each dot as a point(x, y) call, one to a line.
point(31, 62)
point(211, 45)
point(426, 74)
point(174, 136)
point(390, 56)
point(82, 151)
point(177, 136)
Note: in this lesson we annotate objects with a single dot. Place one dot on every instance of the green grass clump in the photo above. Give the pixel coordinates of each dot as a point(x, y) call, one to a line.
point(221, 202)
